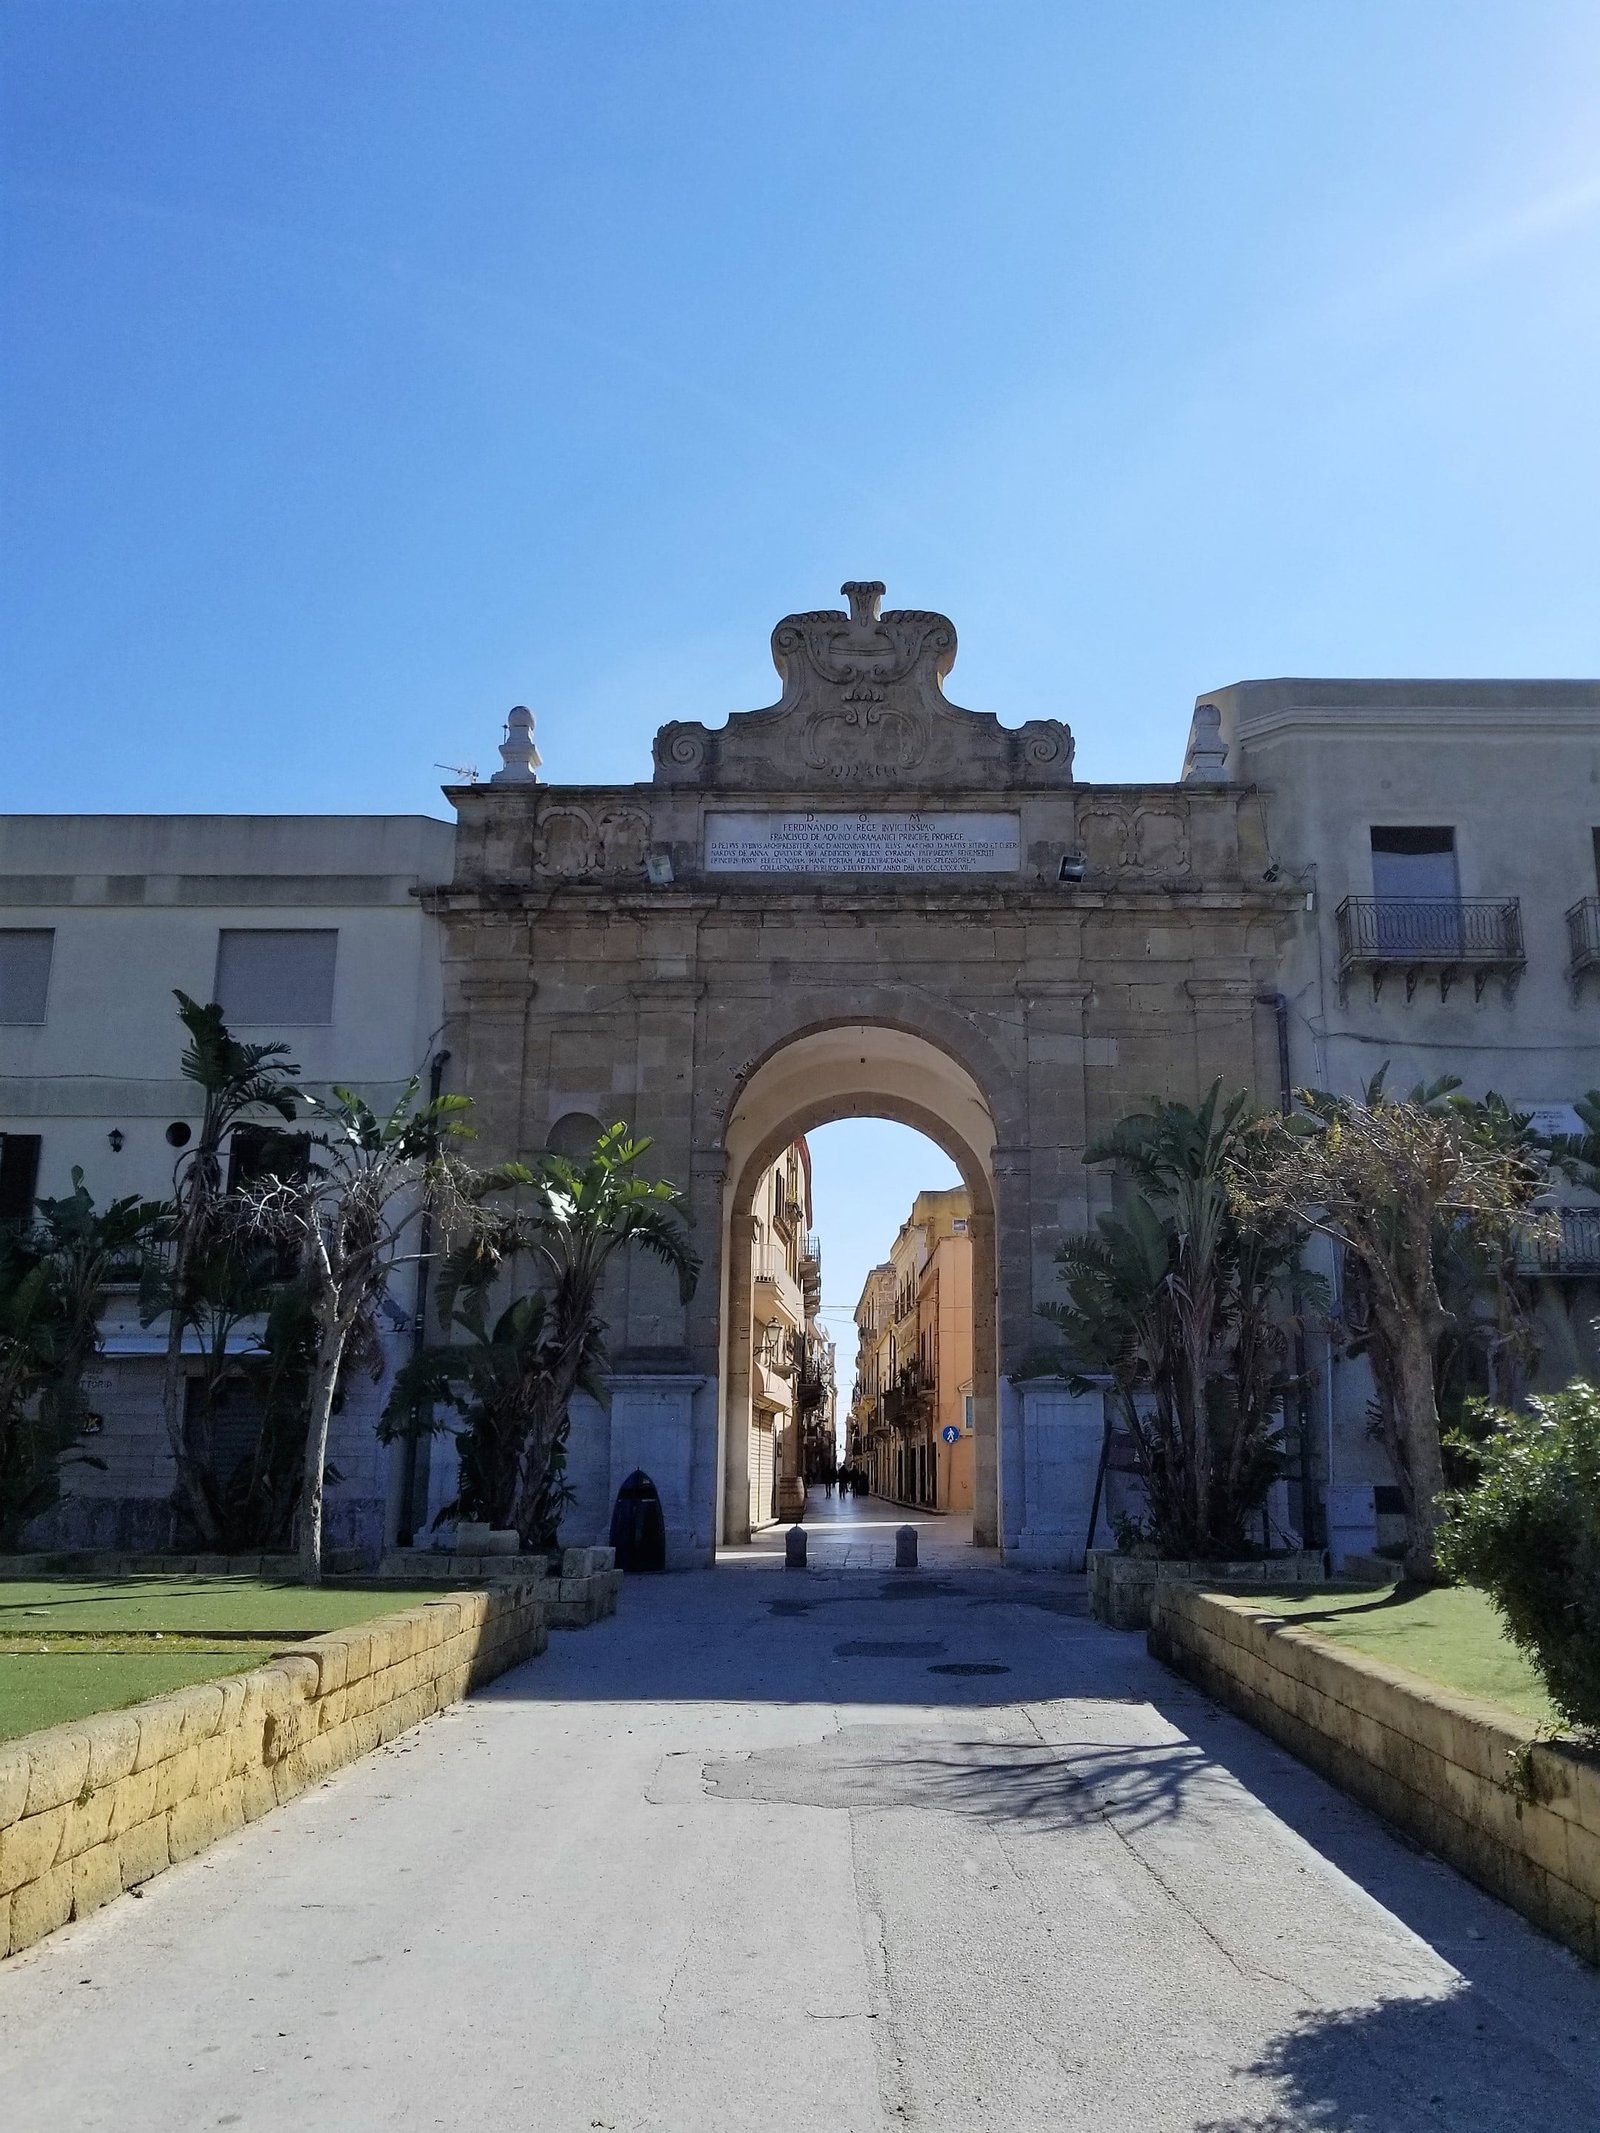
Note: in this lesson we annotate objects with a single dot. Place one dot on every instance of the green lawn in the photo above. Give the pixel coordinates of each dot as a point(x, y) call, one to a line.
point(72, 1646)
point(1451, 1634)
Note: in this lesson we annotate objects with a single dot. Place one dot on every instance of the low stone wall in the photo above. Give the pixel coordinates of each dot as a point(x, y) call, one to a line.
point(91, 1809)
point(1476, 1784)
point(582, 1589)
point(101, 1563)
point(1121, 1586)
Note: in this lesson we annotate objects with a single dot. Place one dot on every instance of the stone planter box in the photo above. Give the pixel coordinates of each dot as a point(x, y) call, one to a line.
point(1121, 1586)
point(579, 1589)
point(1515, 1811)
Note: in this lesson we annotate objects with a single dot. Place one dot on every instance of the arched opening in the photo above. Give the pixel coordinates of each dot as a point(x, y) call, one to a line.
point(852, 1070)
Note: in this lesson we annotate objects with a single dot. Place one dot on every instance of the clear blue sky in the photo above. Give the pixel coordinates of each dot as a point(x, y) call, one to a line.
point(370, 366)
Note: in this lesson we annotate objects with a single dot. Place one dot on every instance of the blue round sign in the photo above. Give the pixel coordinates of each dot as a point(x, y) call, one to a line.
point(950, 1433)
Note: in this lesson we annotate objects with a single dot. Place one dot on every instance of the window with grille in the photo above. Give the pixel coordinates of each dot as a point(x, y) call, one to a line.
point(19, 1175)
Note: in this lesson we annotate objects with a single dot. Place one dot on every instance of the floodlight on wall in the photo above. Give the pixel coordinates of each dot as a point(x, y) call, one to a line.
point(1071, 867)
point(115, 1137)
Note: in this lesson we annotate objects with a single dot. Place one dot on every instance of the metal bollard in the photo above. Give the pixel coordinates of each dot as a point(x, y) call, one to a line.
point(905, 1548)
point(794, 1548)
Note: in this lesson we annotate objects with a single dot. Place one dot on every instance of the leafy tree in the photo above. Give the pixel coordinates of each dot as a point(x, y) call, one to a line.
point(54, 1273)
point(237, 1082)
point(1388, 1180)
point(1186, 1307)
point(1529, 1534)
point(345, 1218)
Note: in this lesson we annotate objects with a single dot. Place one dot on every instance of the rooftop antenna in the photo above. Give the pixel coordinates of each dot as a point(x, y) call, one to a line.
point(466, 771)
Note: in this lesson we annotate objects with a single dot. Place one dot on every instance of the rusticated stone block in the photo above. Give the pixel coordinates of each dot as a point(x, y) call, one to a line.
point(40, 1906)
point(193, 1824)
point(113, 1746)
point(58, 1767)
point(175, 1778)
point(160, 1732)
point(15, 1774)
point(96, 1878)
point(133, 1801)
point(88, 1823)
point(30, 1848)
point(258, 1795)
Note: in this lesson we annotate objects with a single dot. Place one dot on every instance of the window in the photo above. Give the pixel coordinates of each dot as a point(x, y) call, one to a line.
point(273, 978)
point(966, 1413)
point(19, 1175)
point(25, 972)
point(1414, 865)
point(258, 1152)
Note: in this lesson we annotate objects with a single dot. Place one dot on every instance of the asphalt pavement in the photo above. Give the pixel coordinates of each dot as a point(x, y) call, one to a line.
point(843, 1850)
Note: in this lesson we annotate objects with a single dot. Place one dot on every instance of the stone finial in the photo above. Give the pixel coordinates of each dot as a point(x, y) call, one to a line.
point(1208, 751)
point(517, 751)
point(866, 601)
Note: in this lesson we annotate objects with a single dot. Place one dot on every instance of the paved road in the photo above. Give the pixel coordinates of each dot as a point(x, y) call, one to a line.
point(745, 1857)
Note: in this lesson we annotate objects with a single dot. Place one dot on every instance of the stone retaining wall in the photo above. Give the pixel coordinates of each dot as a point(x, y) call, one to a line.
point(1476, 1784)
point(1121, 1586)
point(90, 1809)
point(583, 1589)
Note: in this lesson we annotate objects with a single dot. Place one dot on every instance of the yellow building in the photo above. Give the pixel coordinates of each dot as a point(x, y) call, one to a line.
point(786, 1285)
point(911, 1416)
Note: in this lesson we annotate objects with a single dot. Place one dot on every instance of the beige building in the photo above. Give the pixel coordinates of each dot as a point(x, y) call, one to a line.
point(786, 1288)
point(913, 1405)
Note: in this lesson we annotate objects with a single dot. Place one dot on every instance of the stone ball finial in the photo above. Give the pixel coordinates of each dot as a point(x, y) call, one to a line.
point(517, 751)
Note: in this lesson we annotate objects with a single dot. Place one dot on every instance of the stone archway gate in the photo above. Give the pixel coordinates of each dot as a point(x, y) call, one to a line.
point(862, 856)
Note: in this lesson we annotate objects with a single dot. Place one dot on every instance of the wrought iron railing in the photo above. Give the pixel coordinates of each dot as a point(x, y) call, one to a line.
point(1566, 1243)
point(1583, 936)
point(1440, 934)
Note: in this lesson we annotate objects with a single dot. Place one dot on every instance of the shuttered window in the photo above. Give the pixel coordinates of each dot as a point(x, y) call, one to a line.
point(25, 955)
point(19, 1175)
point(274, 978)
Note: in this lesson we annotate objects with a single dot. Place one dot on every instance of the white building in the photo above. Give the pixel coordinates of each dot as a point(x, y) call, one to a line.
point(1447, 837)
point(306, 928)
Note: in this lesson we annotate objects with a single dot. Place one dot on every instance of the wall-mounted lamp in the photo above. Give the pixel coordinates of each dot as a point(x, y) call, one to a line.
point(115, 1137)
point(1071, 867)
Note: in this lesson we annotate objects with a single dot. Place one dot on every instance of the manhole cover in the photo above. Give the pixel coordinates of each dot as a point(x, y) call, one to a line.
point(885, 1648)
point(788, 1607)
point(969, 1666)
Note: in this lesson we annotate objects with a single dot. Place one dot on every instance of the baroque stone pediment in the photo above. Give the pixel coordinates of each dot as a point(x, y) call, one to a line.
point(863, 706)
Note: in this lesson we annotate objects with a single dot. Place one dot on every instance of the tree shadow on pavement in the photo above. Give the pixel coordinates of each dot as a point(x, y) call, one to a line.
point(1433, 2064)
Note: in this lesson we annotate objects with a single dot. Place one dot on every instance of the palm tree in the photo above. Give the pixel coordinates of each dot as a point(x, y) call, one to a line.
point(582, 1215)
point(1178, 1299)
point(492, 1380)
point(236, 1081)
point(53, 1277)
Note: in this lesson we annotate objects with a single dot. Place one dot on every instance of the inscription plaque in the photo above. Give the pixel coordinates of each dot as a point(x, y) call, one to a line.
point(882, 841)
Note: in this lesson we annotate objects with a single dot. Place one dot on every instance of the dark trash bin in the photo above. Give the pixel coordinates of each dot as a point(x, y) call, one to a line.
point(638, 1530)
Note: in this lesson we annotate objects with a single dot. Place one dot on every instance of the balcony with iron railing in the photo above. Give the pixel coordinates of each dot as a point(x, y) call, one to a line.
point(1566, 1245)
point(776, 1288)
point(1583, 940)
point(1445, 937)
